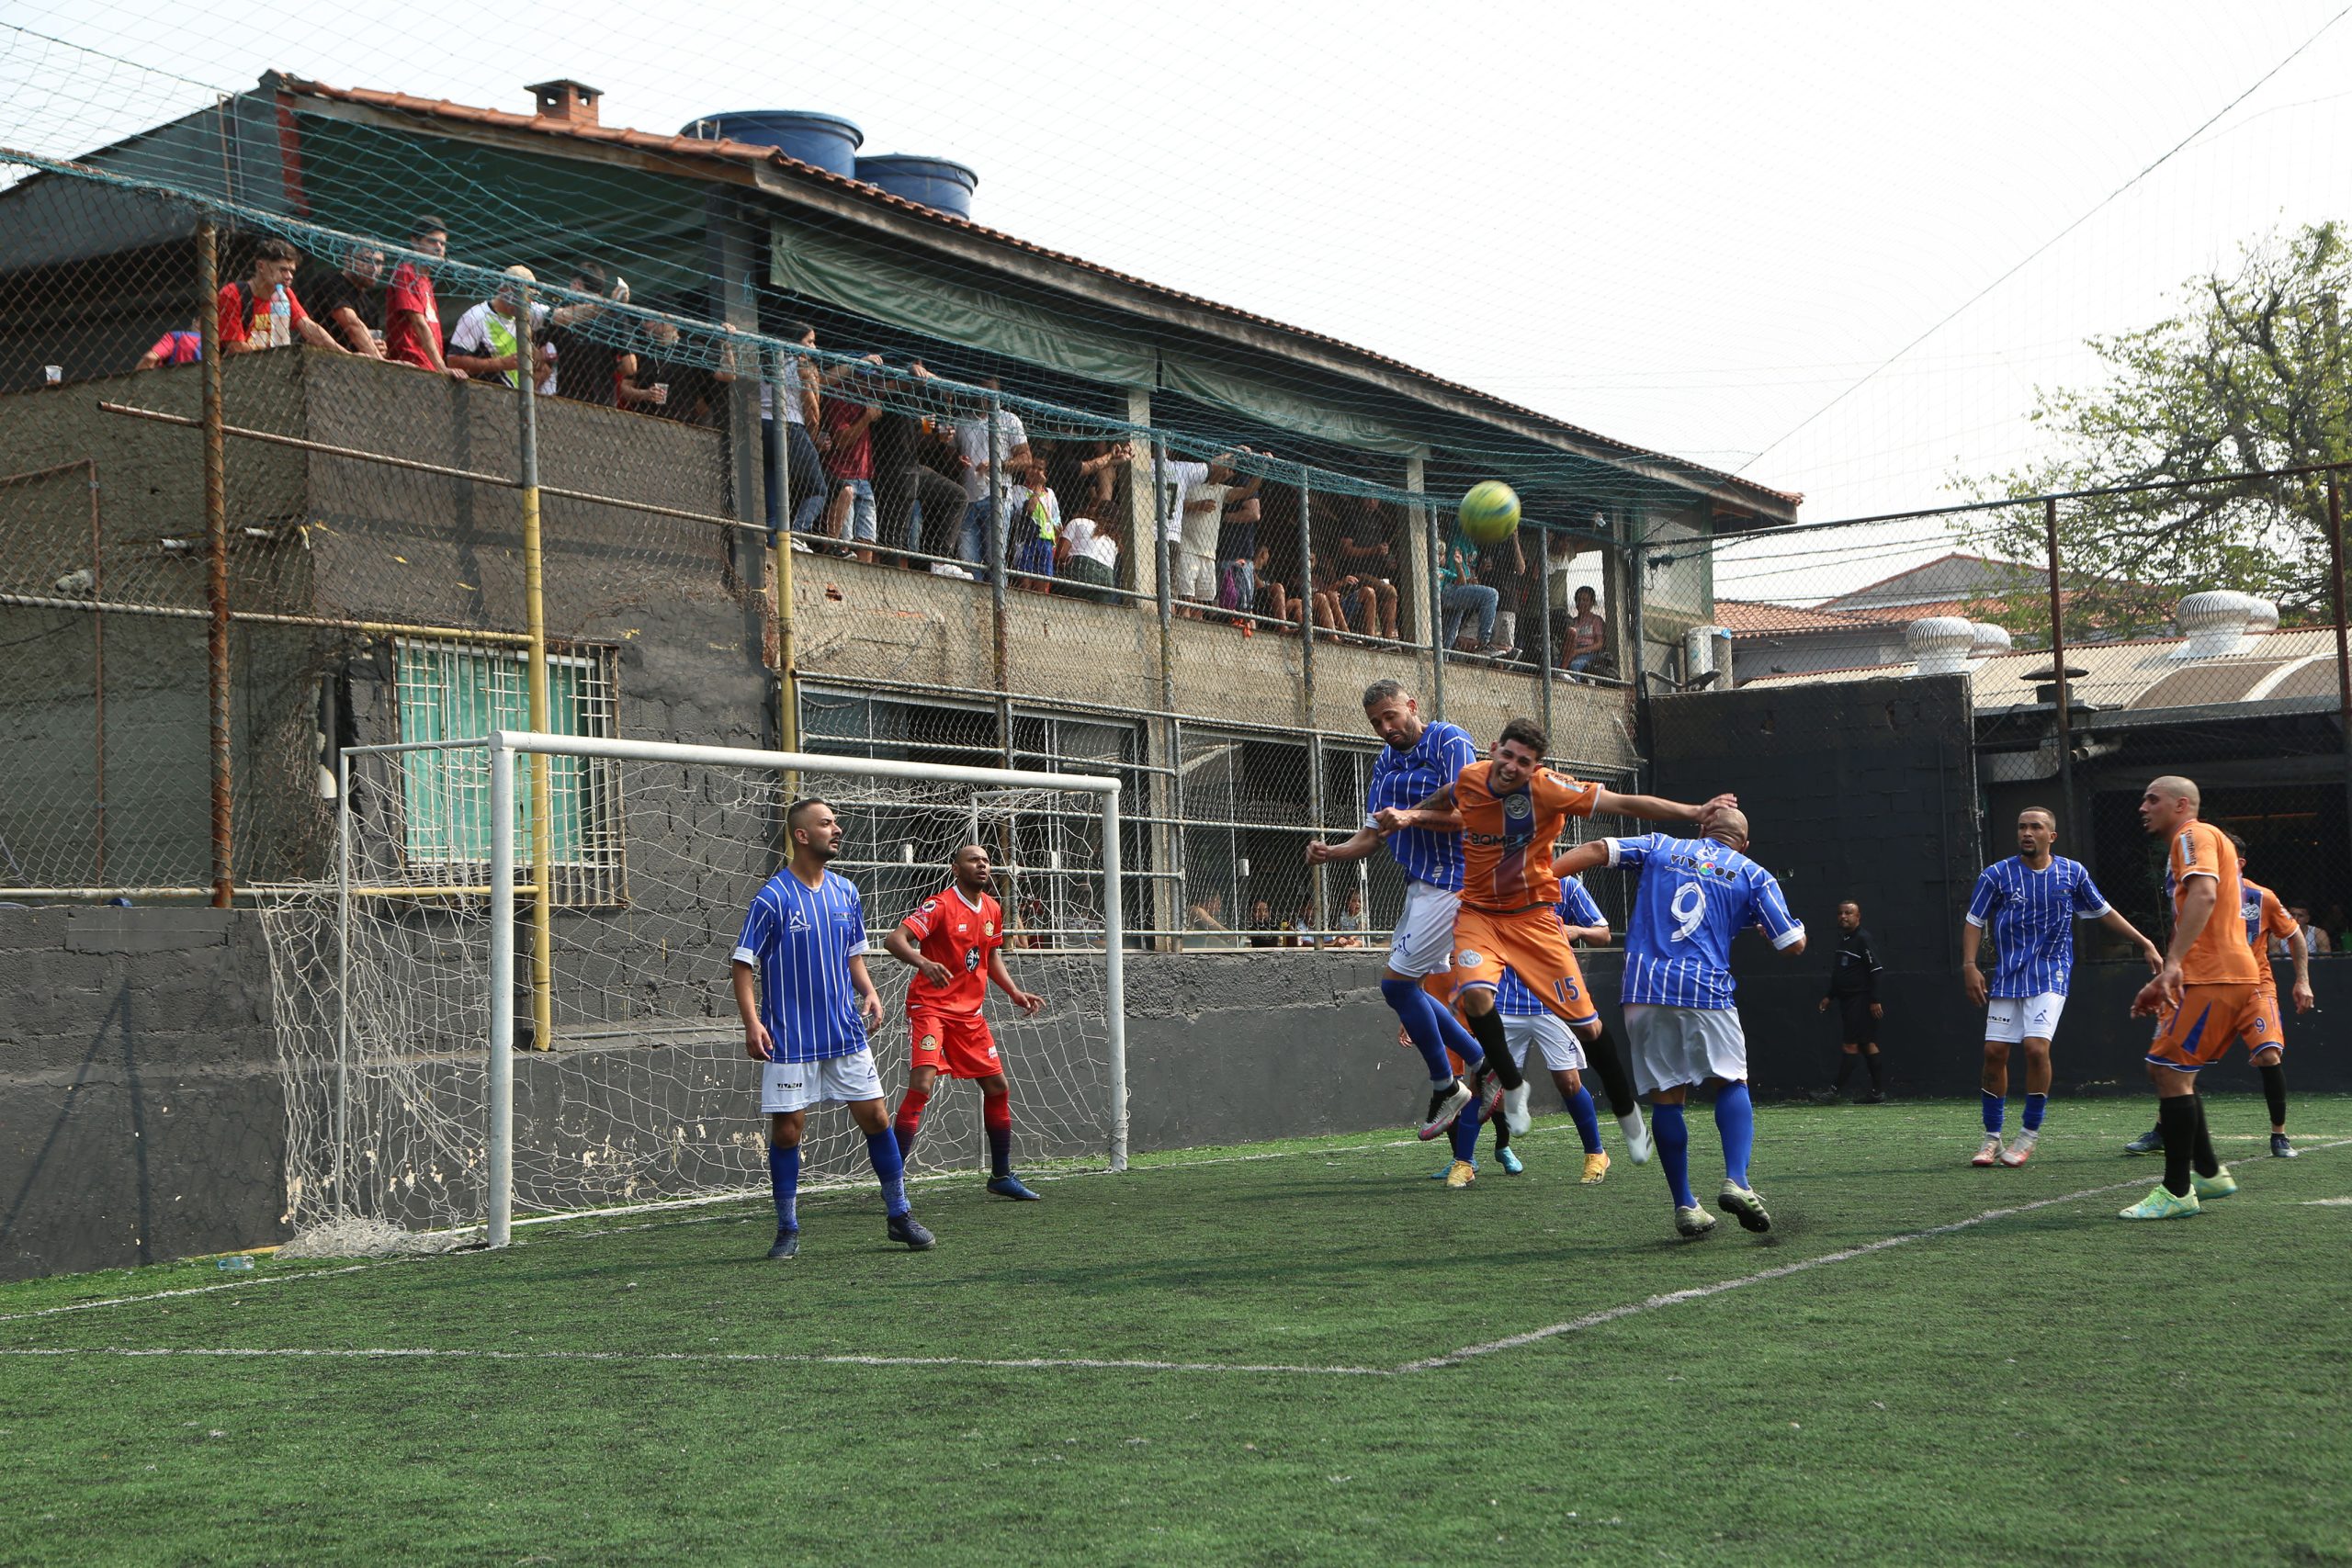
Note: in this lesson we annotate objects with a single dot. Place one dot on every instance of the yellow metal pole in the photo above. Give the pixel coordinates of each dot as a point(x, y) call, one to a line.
point(527, 371)
point(778, 479)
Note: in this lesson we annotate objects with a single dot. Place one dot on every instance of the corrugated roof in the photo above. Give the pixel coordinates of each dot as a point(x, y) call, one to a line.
point(750, 153)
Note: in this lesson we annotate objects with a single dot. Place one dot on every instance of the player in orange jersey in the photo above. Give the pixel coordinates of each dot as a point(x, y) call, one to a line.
point(1512, 809)
point(2207, 993)
point(955, 943)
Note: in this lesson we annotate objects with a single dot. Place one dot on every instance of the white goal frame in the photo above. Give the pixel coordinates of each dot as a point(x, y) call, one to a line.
point(504, 745)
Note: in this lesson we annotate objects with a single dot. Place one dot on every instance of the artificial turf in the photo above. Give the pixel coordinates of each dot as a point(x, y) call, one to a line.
point(2047, 1385)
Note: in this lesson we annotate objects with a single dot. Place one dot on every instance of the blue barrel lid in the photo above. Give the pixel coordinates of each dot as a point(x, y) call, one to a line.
point(706, 125)
point(917, 164)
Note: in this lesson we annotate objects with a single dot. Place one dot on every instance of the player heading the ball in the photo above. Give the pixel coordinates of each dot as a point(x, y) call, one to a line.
point(807, 1002)
point(955, 943)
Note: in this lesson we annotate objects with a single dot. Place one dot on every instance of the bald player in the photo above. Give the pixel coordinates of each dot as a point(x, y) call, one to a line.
point(2207, 993)
point(1696, 896)
point(2030, 901)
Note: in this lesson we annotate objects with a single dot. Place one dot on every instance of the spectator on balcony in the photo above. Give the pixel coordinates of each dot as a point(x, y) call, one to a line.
point(1502, 565)
point(846, 432)
point(670, 385)
point(1349, 921)
point(988, 443)
point(591, 369)
point(1364, 553)
point(923, 471)
point(1587, 638)
point(805, 466)
point(1206, 920)
point(1093, 488)
point(248, 321)
point(484, 342)
point(412, 318)
point(1237, 555)
point(2315, 937)
point(349, 301)
point(1036, 530)
point(1344, 603)
point(175, 348)
point(1087, 557)
point(1460, 593)
point(1208, 490)
point(1263, 930)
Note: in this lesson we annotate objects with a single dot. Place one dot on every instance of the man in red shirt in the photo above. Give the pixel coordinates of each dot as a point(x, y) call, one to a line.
point(846, 432)
point(955, 943)
point(412, 318)
point(246, 314)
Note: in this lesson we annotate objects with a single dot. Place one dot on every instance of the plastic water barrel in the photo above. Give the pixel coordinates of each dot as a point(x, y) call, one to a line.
point(940, 184)
point(827, 140)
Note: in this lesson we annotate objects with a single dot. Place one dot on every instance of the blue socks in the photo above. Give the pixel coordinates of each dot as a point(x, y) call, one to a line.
point(1428, 1025)
point(2034, 1106)
point(1736, 1120)
point(1465, 1133)
point(1588, 1122)
point(882, 1148)
point(1994, 1105)
point(784, 1184)
point(1673, 1141)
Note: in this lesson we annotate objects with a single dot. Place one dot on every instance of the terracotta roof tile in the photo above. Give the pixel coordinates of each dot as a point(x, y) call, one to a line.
point(749, 153)
point(1746, 617)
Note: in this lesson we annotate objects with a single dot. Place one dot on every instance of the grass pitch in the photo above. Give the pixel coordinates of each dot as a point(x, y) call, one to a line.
point(1296, 1353)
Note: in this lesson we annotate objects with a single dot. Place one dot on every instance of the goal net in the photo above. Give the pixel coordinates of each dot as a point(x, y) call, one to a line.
point(444, 1069)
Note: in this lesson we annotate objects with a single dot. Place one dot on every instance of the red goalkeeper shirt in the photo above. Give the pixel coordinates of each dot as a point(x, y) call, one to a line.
point(952, 930)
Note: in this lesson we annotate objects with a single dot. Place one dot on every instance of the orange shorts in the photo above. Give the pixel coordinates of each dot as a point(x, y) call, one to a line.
point(1531, 944)
point(957, 1043)
point(2199, 1032)
point(2265, 1029)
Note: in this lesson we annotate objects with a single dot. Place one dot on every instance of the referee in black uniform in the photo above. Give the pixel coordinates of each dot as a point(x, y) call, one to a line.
point(1853, 987)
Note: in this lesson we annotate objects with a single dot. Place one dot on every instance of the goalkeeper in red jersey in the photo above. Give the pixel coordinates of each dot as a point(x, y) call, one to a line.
point(955, 943)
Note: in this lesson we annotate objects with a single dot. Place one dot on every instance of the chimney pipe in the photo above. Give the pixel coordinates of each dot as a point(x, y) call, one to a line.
point(565, 102)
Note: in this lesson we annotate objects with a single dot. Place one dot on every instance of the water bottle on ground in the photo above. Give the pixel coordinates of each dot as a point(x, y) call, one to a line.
point(240, 1264)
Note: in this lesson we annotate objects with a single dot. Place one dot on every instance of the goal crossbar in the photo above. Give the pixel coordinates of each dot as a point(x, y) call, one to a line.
point(504, 745)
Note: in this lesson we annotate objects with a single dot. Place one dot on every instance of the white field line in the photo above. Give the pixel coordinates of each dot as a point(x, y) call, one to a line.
point(756, 1358)
point(194, 1290)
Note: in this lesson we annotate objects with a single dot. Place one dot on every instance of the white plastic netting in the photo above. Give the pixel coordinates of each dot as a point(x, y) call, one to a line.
point(643, 1094)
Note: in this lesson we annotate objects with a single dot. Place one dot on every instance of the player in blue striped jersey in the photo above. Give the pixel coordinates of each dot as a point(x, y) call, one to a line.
point(1420, 758)
point(2030, 902)
point(806, 1002)
point(1528, 1022)
point(1696, 894)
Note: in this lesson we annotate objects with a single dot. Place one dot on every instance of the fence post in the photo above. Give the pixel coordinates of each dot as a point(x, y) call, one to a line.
point(2058, 671)
point(1160, 577)
point(498, 1109)
point(779, 484)
point(1544, 627)
point(216, 561)
point(535, 623)
point(2343, 654)
point(998, 539)
point(1436, 610)
point(1309, 719)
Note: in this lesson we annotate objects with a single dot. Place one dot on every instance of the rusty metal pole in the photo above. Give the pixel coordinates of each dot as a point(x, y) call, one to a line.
point(216, 558)
point(2343, 651)
point(98, 672)
point(2058, 671)
point(535, 623)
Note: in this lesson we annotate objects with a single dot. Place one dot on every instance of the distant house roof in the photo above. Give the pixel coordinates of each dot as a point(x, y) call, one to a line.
point(1947, 579)
point(1775, 504)
point(1747, 617)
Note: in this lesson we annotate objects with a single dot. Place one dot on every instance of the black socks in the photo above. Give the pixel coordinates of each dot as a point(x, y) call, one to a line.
point(2274, 1089)
point(2177, 1118)
point(1615, 1081)
point(1488, 1028)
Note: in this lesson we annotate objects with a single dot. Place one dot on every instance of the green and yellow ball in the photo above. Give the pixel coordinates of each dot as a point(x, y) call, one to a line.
point(1490, 511)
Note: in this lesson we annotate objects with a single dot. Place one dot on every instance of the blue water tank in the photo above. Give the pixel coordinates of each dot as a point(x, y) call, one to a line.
point(825, 139)
point(940, 184)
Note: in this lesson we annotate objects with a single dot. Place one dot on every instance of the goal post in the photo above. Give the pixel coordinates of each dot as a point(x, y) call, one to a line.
point(424, 1103)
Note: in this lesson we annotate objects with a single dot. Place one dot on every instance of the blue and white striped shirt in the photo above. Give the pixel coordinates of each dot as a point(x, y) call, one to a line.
point(1405, 779)
point(1576, 907)
point(2032, 915)
point(1696, 894)
point(800, 939)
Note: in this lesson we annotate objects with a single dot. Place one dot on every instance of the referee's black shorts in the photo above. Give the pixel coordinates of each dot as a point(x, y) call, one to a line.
point(1860, 1028)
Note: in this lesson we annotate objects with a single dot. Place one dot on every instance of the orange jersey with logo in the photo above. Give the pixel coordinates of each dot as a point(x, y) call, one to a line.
point(2266, 918)
point(2219, 957)
point(1508, 840)
point(948, 930)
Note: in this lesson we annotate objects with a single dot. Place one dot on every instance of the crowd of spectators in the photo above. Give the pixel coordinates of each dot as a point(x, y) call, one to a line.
point(886, 464)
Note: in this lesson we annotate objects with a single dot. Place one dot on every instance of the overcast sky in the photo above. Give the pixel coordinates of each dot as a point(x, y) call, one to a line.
point(1748, 235)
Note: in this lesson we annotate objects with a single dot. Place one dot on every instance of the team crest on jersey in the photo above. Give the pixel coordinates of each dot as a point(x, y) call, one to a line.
point(1516, 806)
point(988, 927)
point(1467, 959)
point(796, 921)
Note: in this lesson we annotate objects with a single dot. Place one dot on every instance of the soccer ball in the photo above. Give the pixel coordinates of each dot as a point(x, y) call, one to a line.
point(1490, 511)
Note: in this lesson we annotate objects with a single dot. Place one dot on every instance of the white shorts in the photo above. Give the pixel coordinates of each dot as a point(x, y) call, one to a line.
point(1562, 1054)
point(1423, 940)
point(1196, 575)
point(836, 1081)
point(2009, 1019)
point(1678, 1047)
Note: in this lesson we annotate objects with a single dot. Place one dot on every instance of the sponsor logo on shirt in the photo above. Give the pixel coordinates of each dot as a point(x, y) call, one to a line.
point(796, 921)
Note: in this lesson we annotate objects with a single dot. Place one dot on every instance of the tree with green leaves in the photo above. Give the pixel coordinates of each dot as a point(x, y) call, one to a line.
point(2248, 373)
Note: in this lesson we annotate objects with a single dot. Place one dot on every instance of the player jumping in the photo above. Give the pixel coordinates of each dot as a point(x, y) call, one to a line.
point(1420, 759)
point(1512, 810)
point(955, 943)
point(1696, 894)
point(803, 948)
point(2267, 1041)
point(2032, 900)
point(2204, 996)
